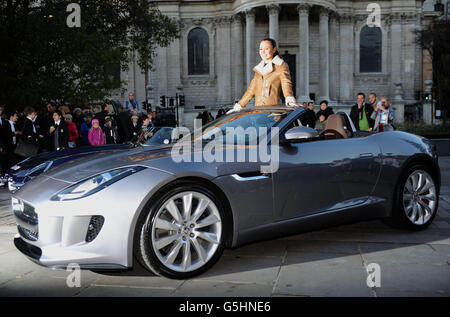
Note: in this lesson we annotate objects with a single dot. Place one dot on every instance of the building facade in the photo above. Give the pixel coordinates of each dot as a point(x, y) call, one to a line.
point(334, 48)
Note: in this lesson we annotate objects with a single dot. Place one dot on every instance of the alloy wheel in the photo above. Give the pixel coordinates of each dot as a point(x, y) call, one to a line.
point(419, 197)
point(186, 231)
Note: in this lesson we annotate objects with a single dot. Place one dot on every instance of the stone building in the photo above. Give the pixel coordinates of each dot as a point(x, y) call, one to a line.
point(334, 48)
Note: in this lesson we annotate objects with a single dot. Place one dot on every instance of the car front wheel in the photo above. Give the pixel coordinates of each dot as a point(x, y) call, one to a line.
point(182, 234)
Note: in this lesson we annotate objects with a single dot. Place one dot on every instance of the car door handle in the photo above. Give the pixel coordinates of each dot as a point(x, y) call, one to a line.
point(366, 155)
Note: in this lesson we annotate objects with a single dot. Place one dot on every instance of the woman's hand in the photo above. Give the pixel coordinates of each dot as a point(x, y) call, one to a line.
point(294, 105)
point(237, 107)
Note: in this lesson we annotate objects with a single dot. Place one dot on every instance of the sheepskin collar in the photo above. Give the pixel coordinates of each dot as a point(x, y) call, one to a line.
point(268, 68)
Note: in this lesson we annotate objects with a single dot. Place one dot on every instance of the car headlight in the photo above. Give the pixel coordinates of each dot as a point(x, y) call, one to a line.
point(17, 204)
point(95, 183)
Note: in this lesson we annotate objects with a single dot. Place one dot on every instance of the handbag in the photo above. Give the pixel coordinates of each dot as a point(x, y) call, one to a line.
point(26, 149)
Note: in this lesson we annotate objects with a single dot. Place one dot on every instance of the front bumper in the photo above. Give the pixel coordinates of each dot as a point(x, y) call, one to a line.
point(95, 232)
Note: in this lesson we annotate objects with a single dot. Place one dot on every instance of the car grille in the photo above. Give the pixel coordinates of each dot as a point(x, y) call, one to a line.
point(95, 225)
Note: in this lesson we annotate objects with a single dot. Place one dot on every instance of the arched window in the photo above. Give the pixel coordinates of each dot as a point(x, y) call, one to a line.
point(370, 50)
point(198, 52)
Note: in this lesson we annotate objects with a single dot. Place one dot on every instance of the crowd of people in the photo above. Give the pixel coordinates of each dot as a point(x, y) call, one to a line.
point(30, 131)
point(376, 115)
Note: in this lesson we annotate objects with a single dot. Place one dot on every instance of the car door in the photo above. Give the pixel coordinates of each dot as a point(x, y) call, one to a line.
point(324, 175)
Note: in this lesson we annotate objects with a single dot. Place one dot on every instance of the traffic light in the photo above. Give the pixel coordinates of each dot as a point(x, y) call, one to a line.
point(427, 96)
point(162, 101)
point(181, 100)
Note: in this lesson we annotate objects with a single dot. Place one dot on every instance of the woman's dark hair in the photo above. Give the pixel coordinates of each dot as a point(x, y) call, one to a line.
point(324, 101)
point(274, 44)
point(58, 112)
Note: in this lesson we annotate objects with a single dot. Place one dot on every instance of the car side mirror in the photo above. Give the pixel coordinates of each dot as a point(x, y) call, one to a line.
point(300, 134)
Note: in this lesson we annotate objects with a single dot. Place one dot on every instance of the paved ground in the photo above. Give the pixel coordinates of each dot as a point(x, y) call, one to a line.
point(330, 262)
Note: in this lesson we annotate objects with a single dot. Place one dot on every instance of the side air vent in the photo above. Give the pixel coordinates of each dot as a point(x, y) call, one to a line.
point(95, 225)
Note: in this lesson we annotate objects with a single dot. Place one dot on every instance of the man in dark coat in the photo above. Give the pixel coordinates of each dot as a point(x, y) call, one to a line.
point(361, 114)
point(10, 139)
point(123, 126)
point(58, 132)
point(309, 117)
point(102, 115)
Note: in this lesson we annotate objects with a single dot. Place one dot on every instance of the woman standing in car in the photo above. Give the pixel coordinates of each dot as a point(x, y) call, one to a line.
point(271, 78)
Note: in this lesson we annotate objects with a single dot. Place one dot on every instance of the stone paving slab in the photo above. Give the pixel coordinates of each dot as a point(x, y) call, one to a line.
point(248, 269)
point(195, 288)
point(318, 274)
point(126, 291)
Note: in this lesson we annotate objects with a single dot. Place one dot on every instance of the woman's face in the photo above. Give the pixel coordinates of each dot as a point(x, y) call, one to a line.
point(266, 50)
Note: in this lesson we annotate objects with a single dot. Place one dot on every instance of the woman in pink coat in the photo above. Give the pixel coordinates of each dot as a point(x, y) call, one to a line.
point(96, 136)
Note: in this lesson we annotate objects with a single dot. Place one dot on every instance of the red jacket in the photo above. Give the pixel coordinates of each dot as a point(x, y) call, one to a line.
point(73, 132)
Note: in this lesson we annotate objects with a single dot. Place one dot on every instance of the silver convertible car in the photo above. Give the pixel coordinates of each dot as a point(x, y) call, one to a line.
point(175, 213)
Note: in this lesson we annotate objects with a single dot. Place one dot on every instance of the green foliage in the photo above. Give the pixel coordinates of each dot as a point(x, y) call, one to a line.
point(42, 58)
point(426, 130)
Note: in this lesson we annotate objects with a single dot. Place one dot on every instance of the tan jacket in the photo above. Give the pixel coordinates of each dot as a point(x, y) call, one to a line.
point(267, 84)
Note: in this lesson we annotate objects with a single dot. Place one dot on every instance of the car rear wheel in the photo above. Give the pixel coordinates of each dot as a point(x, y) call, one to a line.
point(417, 198)
point(182, 234)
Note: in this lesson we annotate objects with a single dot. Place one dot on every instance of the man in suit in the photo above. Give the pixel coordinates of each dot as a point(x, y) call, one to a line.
point(58, 132)
point(10, 139)
point(361, 114)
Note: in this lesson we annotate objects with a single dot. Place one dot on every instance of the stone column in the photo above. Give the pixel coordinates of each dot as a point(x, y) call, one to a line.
point(347, 56)
point(250, 43)
point(409, 56)
point(237, 47)
point(303, 71)
point(274, 11)
point(223, 53)
point(396, 52)
point(324, 55)
point(333, 67)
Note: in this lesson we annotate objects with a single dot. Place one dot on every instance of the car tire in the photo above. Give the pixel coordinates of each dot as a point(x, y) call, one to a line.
point(416, 199)
point(197, 238)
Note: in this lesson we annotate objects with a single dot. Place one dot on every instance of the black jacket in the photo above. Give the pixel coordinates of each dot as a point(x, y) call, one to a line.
point(8, 135)
point(63, 135)
point(28, 134)
point(309, 118)
point(110, 135)
point(328, 111)
point(356, 114)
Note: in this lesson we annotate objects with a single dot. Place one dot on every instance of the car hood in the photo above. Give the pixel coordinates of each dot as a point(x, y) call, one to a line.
point(49, 156)
point(80, 169)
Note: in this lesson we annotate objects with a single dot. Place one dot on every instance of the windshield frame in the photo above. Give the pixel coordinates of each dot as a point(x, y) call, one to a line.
point(280, 124)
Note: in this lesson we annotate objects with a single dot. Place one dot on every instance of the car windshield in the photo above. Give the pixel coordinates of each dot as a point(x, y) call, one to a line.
point(153, 136)
point(245, 125)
